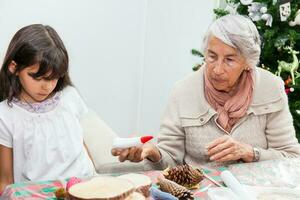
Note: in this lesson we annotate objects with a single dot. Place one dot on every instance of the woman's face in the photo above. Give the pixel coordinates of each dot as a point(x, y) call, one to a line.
point(224, 65)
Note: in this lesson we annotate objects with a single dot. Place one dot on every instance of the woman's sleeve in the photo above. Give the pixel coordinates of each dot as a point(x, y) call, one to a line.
point(171, 138)
point(280, 133)
point(5, 135)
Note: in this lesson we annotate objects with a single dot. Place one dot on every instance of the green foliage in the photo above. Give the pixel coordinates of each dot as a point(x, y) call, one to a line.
point(195, 52)
point(220, 12)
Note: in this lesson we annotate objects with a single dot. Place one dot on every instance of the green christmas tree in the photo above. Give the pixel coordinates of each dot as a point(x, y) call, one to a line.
point(278, 22)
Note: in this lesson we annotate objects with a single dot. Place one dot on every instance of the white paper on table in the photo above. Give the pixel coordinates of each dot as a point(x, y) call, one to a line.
point(270, 173)
point(261, 193)
point(236, 190)
point(218, 193)
point(275, 193)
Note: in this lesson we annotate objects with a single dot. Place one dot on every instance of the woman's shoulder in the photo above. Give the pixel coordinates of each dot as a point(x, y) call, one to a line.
point(190, 83)
point(188, 94)
point(266, 76)
point(266, 79)
point(268, 87)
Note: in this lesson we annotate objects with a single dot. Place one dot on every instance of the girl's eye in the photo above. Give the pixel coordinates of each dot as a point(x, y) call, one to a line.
point(35, 78)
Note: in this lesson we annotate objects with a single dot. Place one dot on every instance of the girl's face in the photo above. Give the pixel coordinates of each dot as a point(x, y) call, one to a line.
point(35, 89)
point(224, 65)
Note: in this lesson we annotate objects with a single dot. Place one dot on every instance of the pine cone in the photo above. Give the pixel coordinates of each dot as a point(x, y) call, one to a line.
point(175, 189)
point(184, 175)
point(60, 193)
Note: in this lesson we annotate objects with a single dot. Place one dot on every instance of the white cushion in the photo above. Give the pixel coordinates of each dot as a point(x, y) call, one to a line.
point(98, 137)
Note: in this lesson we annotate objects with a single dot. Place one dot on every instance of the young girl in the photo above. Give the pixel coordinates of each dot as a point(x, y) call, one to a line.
point(40, 134)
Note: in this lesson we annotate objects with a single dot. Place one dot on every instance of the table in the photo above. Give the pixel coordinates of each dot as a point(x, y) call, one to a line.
point(278, 173)
point(46, 189)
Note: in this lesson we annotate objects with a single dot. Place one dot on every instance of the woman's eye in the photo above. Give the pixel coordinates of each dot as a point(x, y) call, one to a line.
point(211, 58)
point(230, 61)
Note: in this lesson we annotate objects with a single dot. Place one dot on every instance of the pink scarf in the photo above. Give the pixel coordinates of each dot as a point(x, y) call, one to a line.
point(233, 105)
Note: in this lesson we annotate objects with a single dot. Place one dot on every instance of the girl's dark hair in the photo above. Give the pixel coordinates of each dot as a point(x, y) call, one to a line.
point(34, 44)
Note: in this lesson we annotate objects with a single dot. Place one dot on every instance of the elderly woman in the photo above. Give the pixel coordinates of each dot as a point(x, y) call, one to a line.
point(228, 111)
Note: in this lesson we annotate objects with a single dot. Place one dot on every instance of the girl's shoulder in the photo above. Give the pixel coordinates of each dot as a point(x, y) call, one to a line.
point(7, 111)
point(4, 106)
point(71, 99)
point(70, 92)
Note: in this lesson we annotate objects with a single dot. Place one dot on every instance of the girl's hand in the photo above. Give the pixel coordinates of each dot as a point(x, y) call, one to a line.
point(6, 167)
point(227, 149)
point(137, 154)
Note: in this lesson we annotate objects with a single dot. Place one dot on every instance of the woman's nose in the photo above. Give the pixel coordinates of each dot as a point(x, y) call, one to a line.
point(218, 68)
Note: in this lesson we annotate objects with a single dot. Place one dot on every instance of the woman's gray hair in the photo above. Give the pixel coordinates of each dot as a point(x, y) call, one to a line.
point(239, 32)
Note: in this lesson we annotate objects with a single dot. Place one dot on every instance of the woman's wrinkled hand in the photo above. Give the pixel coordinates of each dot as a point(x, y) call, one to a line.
point(228, 149)
point(137, 154)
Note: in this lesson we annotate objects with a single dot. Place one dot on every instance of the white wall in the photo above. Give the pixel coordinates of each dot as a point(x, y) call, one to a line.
point(173, 29)
point(124, 55)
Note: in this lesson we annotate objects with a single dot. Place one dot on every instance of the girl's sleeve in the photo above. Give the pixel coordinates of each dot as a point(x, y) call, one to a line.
point(5, 135)
point(81, 106)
